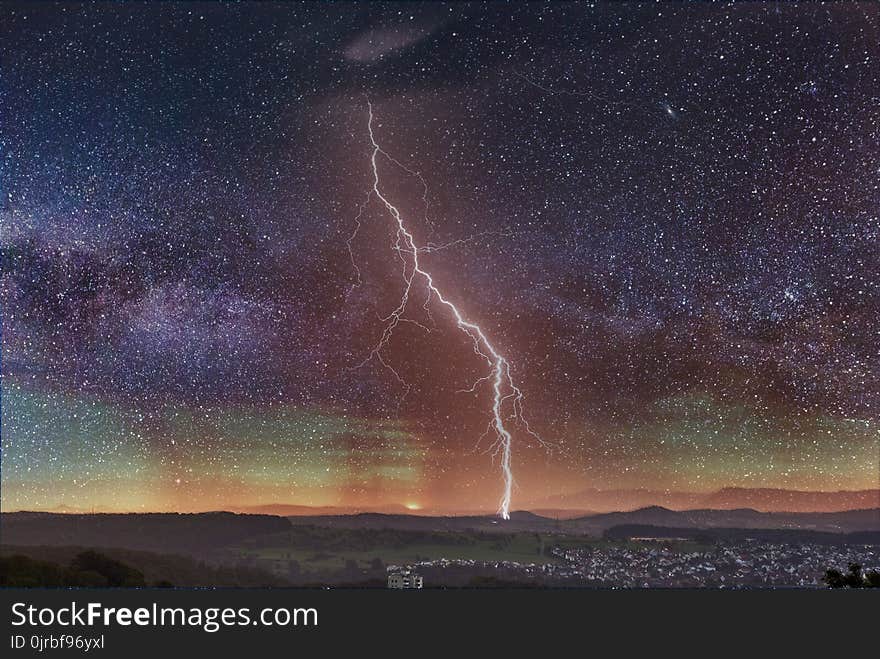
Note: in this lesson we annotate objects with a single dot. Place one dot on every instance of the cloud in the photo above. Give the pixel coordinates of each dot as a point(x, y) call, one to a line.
point(375, 44)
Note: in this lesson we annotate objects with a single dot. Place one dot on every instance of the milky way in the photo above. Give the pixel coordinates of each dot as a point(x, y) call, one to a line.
point(664, 216)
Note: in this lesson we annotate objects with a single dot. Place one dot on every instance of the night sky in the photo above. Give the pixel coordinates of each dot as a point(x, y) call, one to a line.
point(666, 217)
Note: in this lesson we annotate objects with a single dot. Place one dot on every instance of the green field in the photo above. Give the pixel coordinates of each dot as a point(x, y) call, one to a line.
point(319, 549)
point(521, 549)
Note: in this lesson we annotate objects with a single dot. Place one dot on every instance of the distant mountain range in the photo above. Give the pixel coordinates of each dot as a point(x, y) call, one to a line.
point(728, 498)
point(591, 501)
point(746, 518)
point(596, 524)
point(292, 510)
point(203, 533)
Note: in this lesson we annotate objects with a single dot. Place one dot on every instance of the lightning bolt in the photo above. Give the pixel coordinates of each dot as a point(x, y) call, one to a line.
point(507, 398)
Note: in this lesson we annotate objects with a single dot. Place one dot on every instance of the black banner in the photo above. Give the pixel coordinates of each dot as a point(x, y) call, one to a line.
point(146, 622)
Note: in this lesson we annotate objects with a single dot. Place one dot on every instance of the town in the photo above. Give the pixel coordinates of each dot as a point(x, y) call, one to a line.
point(657, 564)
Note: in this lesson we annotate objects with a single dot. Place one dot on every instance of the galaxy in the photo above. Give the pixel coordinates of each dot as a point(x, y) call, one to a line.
point(665, 218)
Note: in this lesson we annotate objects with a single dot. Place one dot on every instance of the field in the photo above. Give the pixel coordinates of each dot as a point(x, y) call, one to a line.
point(318, 549)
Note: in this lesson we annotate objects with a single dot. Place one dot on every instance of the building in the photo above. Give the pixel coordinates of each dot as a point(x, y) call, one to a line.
point(405, 579)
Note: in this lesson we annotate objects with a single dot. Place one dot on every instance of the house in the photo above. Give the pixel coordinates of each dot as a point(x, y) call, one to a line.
point(405, 579)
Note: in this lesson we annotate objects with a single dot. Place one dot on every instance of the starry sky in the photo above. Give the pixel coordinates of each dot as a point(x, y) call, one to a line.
point(665, 216)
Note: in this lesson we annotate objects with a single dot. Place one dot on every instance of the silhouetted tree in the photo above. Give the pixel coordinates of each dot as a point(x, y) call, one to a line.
point(834, 579)
point(116, 573)
point(21, 571)
point(854, 578)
